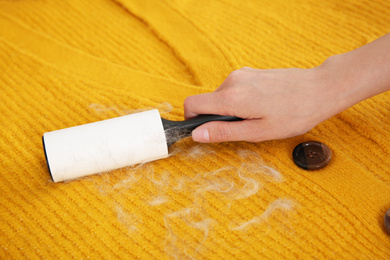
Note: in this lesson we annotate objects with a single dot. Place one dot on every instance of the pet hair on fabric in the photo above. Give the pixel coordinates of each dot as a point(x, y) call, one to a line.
point(233, 183)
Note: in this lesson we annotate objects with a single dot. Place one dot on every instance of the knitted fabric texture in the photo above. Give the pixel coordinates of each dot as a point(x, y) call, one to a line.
point(67, 63)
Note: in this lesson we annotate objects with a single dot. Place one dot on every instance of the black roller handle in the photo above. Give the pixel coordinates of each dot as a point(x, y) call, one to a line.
point(176, 130)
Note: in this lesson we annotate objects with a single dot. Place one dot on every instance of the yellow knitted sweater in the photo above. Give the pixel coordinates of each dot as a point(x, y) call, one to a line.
point(66, 63)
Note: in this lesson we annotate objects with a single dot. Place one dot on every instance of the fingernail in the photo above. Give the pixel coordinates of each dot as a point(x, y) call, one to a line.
point(200, 135)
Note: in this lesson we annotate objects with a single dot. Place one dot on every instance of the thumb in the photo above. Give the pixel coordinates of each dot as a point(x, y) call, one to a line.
point(218, 131)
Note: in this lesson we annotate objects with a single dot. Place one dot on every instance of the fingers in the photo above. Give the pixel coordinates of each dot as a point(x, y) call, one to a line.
point(196, 105)
point(228, 99)
point(208, 103)
point(222, 100)
point(214, 132)
point(250, 130)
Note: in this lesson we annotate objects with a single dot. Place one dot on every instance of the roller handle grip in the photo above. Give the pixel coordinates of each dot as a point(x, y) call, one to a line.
point(176, 130)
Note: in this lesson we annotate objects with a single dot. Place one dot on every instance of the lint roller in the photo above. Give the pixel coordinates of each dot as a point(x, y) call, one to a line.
point(114, 143)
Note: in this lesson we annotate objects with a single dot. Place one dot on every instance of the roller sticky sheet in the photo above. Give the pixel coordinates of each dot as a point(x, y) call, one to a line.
point(114, 143)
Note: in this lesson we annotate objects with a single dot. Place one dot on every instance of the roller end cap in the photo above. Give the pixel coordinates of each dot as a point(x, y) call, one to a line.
point(47, 160)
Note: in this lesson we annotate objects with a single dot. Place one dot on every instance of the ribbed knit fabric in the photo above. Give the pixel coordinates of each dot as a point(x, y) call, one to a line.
point(66, 63)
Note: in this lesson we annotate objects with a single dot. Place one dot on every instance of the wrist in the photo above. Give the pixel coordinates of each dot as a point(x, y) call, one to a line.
point(345, 80)
point(362, 73)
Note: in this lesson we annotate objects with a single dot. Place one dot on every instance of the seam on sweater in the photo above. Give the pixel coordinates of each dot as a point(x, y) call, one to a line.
point(229, 58)
point(199, 39)
point(161, 39)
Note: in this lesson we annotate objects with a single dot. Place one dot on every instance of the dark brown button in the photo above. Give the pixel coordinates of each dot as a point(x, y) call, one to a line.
point(387, 221)
point(312, 155)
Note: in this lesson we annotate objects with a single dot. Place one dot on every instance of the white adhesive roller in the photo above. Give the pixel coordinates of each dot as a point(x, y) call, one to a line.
point(111, 144)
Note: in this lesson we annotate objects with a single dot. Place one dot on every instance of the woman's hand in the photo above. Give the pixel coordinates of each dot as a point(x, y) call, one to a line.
point(275, 104)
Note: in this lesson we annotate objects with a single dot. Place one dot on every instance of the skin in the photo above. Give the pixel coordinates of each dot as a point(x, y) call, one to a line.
point(283, 103)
